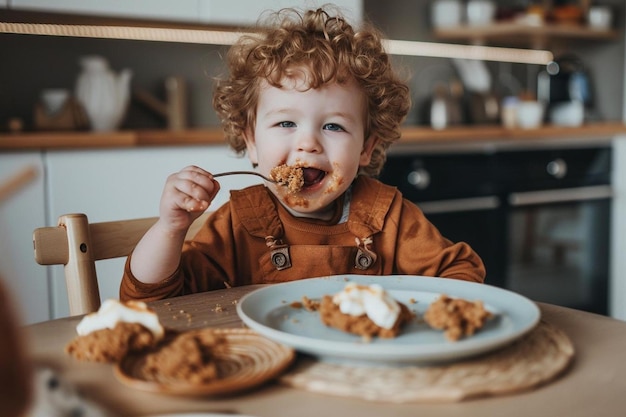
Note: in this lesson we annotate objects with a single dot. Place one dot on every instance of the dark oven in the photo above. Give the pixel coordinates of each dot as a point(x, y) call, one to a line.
point(538, 218)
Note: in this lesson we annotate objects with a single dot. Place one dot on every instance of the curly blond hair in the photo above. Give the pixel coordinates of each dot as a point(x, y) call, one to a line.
point(328, 50)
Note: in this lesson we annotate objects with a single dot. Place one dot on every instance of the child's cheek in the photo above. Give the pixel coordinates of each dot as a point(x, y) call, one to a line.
point(335, 181)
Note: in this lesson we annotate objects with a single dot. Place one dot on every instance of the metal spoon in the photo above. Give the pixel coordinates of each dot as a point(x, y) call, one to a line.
point(222, 174)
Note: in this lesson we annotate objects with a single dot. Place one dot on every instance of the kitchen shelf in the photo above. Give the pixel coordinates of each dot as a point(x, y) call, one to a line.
point(117, 139)
point(411, 135)
point(511, 33)
point(478, 133)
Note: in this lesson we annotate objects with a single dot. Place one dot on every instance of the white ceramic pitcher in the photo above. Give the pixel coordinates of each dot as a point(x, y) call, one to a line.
point(103, 94)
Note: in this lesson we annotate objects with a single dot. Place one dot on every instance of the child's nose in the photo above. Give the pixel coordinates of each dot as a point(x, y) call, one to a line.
point(309, 142)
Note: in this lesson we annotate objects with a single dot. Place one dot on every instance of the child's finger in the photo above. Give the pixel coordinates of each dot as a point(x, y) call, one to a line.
point(195, 190)
point(193, 205)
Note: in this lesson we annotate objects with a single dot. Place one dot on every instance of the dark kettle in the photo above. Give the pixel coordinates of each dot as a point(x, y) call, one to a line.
point(565, 79)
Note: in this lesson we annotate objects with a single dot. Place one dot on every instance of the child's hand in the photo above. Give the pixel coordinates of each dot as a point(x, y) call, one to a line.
point(187, 194)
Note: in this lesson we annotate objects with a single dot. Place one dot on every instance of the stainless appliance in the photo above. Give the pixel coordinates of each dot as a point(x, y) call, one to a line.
point(538, 218)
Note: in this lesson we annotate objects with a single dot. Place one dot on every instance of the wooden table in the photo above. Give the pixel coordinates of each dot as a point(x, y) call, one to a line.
point(594, 385)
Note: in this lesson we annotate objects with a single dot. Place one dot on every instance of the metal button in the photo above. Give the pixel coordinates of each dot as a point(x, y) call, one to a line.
point(280, 258)
point(363, 260)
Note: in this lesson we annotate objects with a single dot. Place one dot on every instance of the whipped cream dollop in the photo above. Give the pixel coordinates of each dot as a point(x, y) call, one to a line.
point(112, 312)
point(373, 300)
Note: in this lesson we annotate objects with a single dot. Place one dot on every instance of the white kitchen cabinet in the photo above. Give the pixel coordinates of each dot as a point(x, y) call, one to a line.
point(20, 214)
point(247, 12)
point(220, 12)
point(179, 10)
point(119, 184)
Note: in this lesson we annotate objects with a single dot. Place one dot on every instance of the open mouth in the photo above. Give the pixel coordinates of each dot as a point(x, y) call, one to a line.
point(312, 176)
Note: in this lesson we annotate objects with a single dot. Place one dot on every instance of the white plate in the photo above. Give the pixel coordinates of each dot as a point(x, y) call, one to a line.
point(269, 312)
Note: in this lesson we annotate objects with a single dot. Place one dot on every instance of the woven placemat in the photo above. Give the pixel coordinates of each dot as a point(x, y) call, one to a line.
point(530, 361)
point(244, 359)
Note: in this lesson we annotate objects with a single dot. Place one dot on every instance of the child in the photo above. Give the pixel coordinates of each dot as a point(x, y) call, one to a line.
point(311, 93)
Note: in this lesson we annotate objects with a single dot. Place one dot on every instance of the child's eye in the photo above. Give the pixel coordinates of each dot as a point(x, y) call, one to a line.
point(287, 124)
point(334, 127)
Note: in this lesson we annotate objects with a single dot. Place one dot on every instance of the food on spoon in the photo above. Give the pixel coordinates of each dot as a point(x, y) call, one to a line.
point(186, 358)
point(290, 176)
point(114, 330)
point(456, 316)
point(365, 310)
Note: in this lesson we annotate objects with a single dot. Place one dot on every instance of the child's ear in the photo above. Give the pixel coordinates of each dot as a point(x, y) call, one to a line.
point(248, 137)
point(368, 149)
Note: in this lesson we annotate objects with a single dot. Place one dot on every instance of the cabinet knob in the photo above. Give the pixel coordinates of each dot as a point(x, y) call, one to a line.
point(557, 168)
point(420, 178)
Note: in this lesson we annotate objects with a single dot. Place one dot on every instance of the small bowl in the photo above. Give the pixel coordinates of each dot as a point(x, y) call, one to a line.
point(568, 113)
point(54, 99)
point(529, 114)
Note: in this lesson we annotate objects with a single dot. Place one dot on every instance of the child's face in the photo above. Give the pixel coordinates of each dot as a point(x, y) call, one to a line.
point(321, 130)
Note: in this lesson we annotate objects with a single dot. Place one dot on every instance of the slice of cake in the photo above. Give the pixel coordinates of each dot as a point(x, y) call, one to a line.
point(456, 316)
point(187, 358)
point(290, 176)
point(114, 330)
point(365, 310)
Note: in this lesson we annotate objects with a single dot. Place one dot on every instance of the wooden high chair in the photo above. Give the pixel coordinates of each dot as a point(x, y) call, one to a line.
point(78, 244)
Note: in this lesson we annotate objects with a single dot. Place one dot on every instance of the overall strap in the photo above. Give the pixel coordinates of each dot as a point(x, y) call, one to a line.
point(257, 211)
point(259, 216)
point(371, 201)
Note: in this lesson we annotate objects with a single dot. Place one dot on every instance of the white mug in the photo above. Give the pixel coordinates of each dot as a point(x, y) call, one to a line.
point(446, 13)
point(480, 12)
point(529, 114)
point(600, 17)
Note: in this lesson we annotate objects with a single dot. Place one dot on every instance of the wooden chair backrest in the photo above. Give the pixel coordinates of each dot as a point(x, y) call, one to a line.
point(78, 244)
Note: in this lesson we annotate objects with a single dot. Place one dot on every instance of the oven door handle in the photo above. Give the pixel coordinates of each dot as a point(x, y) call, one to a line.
point(562, 195)
point(459, 205)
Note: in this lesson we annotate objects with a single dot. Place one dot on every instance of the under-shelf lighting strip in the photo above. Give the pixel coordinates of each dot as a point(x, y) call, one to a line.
point(213, 37)
point(216, 37)
point(483, 53)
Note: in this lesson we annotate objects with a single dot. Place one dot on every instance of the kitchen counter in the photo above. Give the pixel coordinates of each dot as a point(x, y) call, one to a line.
point(450, 138)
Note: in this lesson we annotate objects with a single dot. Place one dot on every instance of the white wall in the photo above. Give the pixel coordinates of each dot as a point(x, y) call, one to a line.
point(617, 301)
point(20, 213)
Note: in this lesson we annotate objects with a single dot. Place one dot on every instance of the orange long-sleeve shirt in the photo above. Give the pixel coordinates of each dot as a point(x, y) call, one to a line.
point(233, 246)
